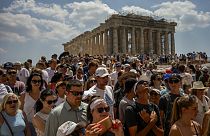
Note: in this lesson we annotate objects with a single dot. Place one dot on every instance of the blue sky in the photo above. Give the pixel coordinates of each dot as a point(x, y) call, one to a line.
point(31, 29)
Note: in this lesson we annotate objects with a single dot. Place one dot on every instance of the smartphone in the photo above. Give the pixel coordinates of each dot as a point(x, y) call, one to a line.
point(106, 124)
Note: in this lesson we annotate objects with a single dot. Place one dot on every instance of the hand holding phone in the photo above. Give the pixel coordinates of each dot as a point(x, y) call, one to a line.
point(105, 123)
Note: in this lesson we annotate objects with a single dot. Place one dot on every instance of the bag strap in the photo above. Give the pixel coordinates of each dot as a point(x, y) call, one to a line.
point(7, 123)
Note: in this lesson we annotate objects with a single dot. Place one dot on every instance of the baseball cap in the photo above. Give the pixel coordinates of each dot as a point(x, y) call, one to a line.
point(8, 65)
point(69, 127)
point(101, 72)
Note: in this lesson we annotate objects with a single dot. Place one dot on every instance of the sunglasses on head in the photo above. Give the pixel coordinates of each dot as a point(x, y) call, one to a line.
point(51, 101)
point(173, 81)
point(36, 81)
point(12, 101)
point(77, 93)
point(105, 109)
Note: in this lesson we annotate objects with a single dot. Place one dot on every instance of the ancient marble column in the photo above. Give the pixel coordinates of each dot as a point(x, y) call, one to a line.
point(93, 45)
point(142, 41)
point(172, 44)
point(110, 39)
point(97, 44)
point(158, 43)
point(124, 40)
point(101, 49)
point(151, 50)
point(133, 45)
point(115, 41)
point(166, 46)
point(105, 42)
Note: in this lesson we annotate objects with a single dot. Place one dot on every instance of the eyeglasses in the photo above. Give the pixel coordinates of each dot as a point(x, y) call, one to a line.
point(77, 93)
point(12, 101)
point(105, 109)
point(51, 101)
point(12, 72)
point(36, 81)
point(174, 81)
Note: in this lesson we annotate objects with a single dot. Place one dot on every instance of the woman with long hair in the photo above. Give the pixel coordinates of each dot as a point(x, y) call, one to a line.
point(184, 111)
point(12, 120)
point(43, 107)
point(28, 99)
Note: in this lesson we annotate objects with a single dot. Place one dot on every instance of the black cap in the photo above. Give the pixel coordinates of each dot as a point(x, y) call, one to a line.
point(8, 65)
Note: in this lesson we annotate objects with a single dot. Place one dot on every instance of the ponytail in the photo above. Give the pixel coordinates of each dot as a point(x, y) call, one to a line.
point(176, 112)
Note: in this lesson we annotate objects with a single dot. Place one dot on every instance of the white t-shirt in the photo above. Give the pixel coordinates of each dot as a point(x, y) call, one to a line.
point(106, 94)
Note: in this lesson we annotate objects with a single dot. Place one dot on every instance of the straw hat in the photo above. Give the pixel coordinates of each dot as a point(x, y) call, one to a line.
point(198, 85)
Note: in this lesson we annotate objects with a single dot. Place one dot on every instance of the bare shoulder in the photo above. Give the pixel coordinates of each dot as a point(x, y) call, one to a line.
point(174, 131)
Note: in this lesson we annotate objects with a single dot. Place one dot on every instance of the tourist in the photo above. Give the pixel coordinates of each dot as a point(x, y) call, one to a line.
point(98, 110)
point(184, 111)
point(29, 98)
point(71, 110)
point(13, 121)
point(198, 90)
point(101, 89)
point(143, 118)
point(43, 107)
point(167, 100)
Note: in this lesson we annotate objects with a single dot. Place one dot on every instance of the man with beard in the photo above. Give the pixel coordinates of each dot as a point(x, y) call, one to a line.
point(101, 89)
point(71, 110)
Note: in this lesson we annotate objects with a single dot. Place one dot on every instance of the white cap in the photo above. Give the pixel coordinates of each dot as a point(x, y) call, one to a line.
point(69, 127)
point(101, 72)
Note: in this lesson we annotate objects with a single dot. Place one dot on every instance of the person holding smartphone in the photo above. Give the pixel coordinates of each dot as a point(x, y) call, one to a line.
point(100, 122)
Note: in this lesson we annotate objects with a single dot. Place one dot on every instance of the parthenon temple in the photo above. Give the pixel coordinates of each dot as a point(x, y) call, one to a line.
point(126, 34)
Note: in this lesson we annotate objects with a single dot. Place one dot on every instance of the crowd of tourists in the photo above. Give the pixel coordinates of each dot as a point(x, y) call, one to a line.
point(87, 95)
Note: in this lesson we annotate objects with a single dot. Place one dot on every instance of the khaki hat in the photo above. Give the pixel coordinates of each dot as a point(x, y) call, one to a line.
point(198, 85)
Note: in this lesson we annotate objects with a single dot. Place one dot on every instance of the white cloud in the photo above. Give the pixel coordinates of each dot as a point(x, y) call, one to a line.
point(51, 11)
point(11, 37)
point(2, 51)
point(88, 14)
point(137, 10)
point(184, 13)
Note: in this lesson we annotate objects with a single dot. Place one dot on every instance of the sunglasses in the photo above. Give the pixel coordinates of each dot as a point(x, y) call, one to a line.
point(12, 101)
point(105, 109)
point(36, 81)
point(13, 72)
point(174, 81)
point(51, 101)
point(92, 81)
point(77, 93)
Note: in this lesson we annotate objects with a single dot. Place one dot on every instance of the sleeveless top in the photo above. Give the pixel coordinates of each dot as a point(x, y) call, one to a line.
point(28, 108)
point(16, 123)
point(44, 117)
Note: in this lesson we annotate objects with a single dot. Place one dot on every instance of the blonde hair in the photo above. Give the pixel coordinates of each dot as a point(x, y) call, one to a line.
point(5, 99)
point(181, 102)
